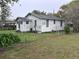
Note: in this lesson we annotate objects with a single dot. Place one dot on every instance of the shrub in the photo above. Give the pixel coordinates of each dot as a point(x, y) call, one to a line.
point(67, 29)
point(8, 39)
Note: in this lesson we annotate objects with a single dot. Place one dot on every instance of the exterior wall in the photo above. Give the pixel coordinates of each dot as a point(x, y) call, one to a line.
point(52, 26)
point(58, 26)
point(41, 25)
point(17, 27)
point(44, 28)
point(39, 22)
point(24, 27)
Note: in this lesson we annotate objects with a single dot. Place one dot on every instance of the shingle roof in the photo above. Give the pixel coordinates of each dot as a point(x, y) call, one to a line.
point(40, 16)
point(46, 17)
point(21, 19)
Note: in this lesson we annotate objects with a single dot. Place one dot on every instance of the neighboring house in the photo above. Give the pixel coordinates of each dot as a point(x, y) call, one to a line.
point(7, 24)
point(39, 23)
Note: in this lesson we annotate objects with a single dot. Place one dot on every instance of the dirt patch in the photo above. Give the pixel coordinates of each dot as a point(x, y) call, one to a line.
point(2, 50)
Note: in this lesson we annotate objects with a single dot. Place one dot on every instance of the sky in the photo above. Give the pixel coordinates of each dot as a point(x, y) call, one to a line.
point(23, 7)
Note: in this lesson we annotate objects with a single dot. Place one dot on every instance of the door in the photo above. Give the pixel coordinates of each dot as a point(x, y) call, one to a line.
point(35, 25)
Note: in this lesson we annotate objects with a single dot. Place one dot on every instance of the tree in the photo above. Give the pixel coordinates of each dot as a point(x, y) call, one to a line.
point(5, 12)
point(39, 12)
point(56, 14)
point(70, 12)
point(5, 8)
point(61, 12)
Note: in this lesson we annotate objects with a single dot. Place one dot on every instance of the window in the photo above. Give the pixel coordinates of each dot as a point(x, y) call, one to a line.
point(27, 22)
point(47, 23)
point(21, 22)
point(61, 23)
point(54, 21)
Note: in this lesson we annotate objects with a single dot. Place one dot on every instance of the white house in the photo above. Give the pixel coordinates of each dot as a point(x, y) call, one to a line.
point(39, 23)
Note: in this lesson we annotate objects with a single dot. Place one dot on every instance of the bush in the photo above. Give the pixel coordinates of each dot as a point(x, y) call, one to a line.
point(8, 39)
point(67, 29)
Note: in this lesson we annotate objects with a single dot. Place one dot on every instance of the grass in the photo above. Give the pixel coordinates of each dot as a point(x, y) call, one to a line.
point(44, 46)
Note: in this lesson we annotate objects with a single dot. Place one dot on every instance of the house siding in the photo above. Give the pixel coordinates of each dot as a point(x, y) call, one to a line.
point(45, 28)
point(24, 27)
point(41, 25)
point(52, 26)
point(17, 27)
point(39, 22)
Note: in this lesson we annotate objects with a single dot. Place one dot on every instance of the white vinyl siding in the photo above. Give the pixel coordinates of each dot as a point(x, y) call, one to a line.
point(42, 25)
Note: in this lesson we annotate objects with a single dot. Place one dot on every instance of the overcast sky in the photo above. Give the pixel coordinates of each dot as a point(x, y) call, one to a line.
point(23, 7)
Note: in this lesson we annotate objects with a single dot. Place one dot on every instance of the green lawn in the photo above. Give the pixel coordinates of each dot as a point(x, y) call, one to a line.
point(43, 46)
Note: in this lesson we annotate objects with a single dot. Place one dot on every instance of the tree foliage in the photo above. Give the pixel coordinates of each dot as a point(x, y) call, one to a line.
point(70, 12)
point(5, 8)
point(39, 12)
point(5, 12)
point(66, 29)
